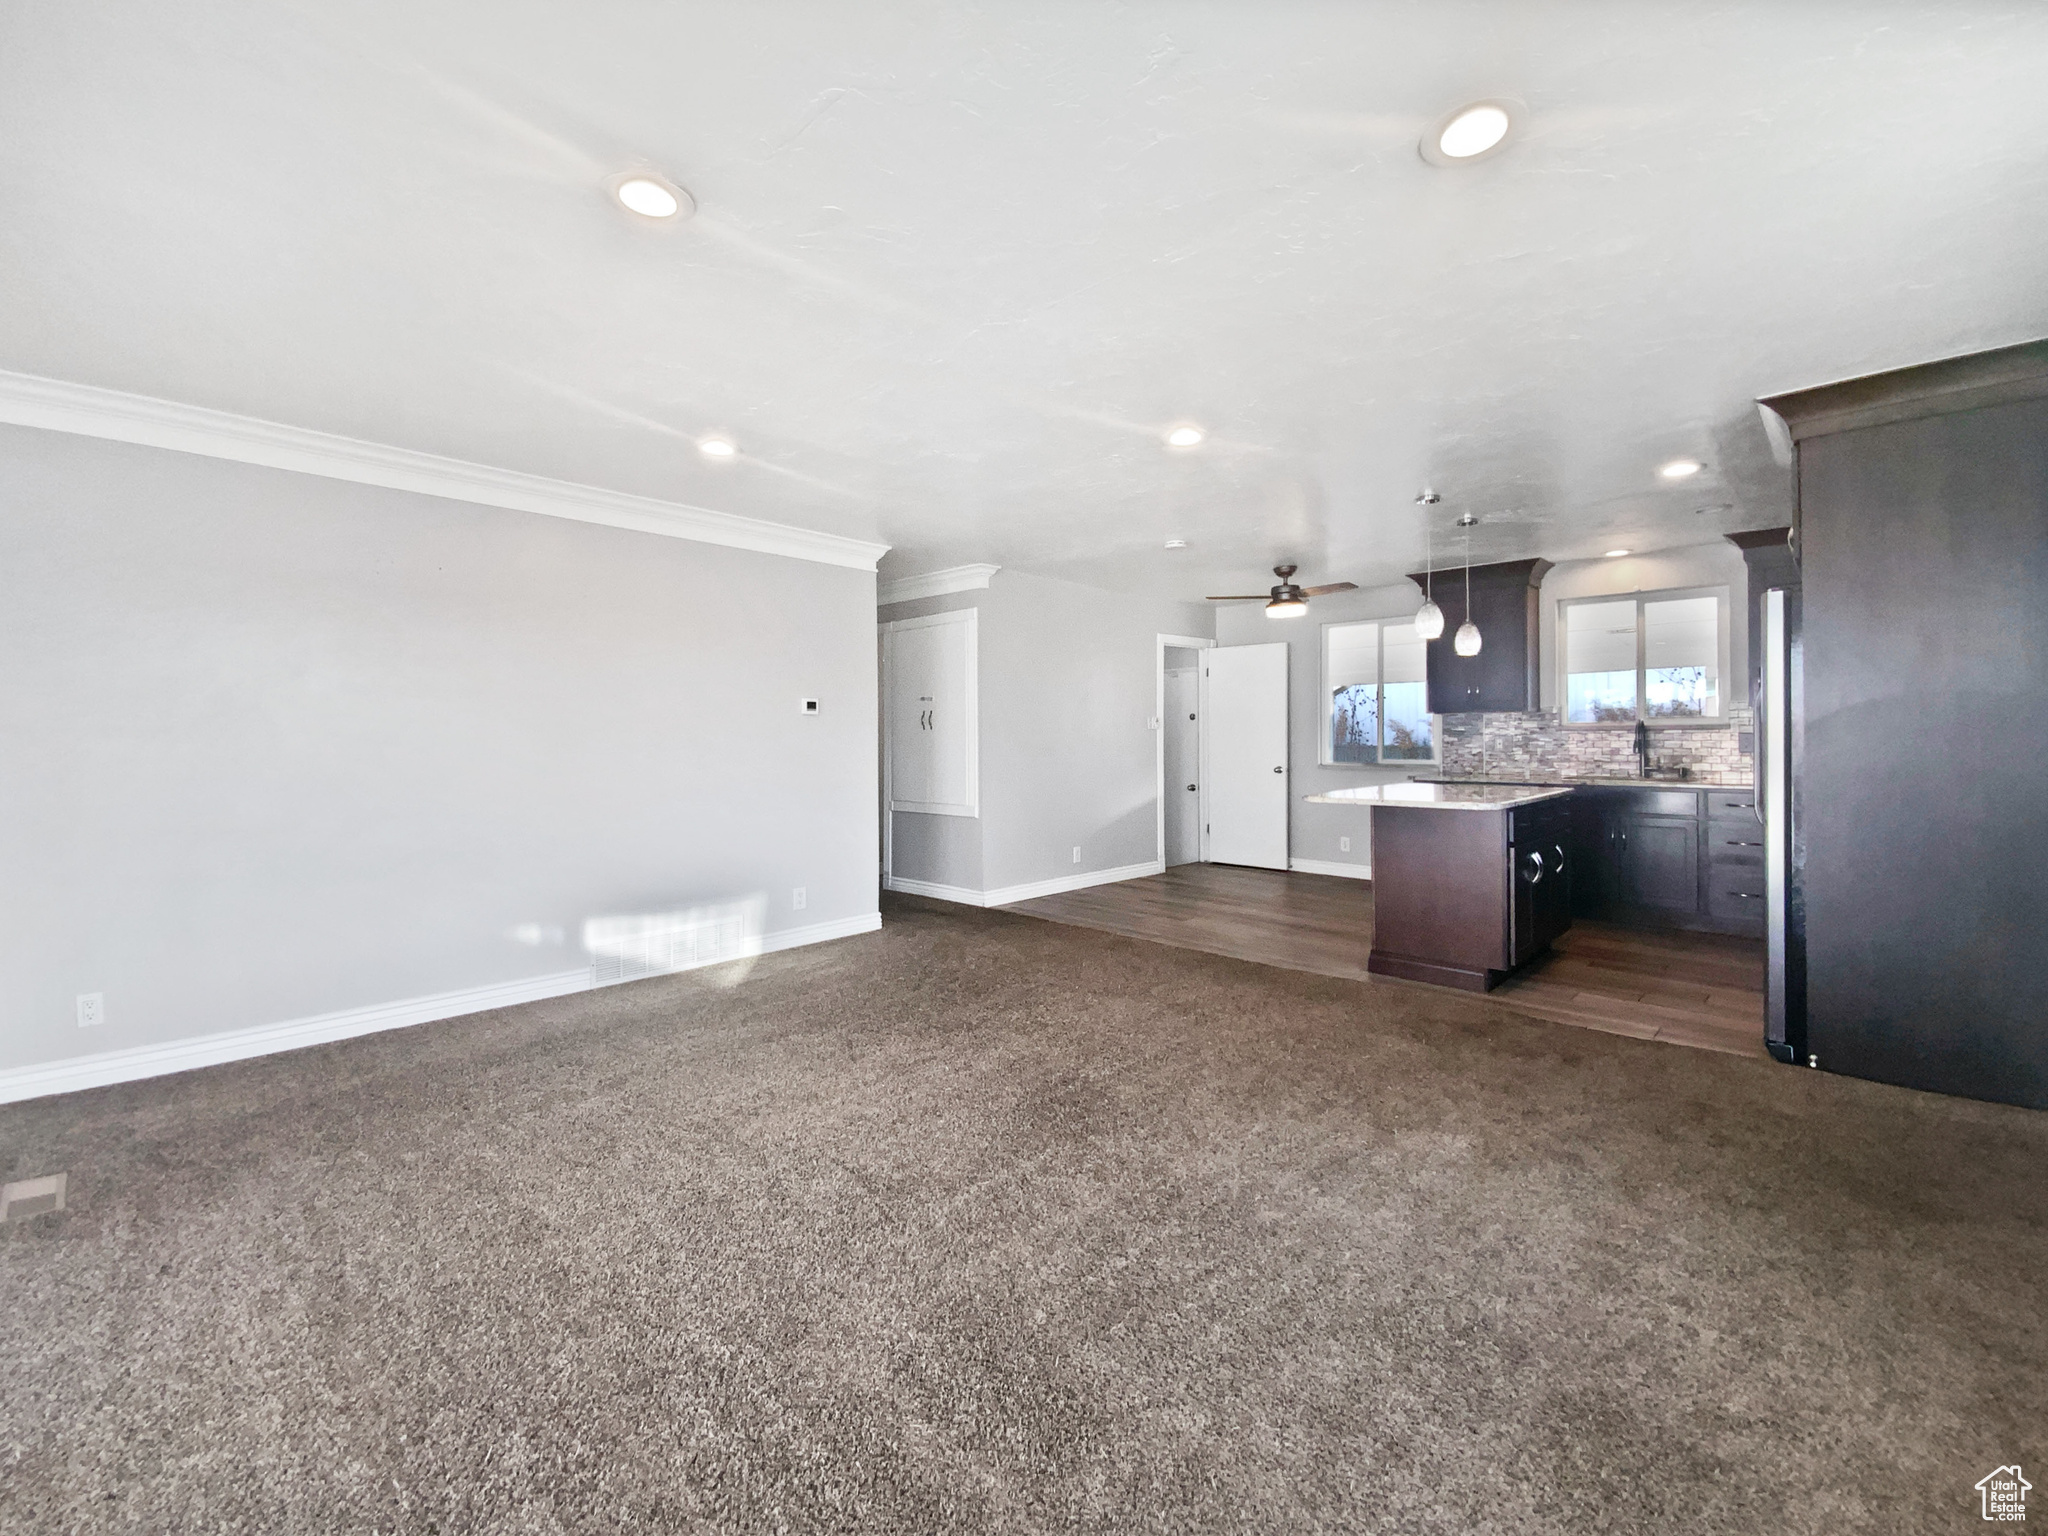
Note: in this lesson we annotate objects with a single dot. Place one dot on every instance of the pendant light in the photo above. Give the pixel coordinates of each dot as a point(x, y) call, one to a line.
point(1429, 619)
point(1467, 643)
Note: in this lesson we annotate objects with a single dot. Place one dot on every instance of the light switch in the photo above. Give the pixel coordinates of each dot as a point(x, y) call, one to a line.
point(808, 706)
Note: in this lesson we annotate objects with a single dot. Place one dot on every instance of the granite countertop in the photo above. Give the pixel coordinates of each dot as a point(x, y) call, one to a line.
point(1441, 796)
point(1569, 781)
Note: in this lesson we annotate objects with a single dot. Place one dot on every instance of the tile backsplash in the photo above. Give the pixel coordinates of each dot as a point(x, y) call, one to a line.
point(1497, 746)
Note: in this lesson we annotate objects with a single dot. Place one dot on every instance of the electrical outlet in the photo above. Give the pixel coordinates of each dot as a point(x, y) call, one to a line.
point(1077, 855)
point(797, 899)
point(807, 706)
point(1343, 845)
point(92, 1009)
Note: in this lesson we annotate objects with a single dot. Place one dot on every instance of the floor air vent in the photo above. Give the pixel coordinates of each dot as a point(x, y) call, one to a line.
point(661, 943)
point(32, 1197)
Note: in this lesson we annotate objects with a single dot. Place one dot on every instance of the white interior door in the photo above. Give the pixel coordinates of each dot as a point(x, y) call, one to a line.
point(1182, 787)
point(1244, 715)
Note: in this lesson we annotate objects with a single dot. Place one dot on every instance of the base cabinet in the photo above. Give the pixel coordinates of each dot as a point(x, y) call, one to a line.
point(1668, 858)
point(1463, 897)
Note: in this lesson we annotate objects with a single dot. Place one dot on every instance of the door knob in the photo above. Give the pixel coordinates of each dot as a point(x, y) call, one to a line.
point(1279, 770)
point(1191, 786)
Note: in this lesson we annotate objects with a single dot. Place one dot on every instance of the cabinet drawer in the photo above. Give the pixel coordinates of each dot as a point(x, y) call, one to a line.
point(1546, 821)
point(1731, 805)
point(1733, 843)
point(1736, 899)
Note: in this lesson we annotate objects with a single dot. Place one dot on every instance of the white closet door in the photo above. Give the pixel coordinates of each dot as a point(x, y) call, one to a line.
point(929, 670)
point(948, 724)
point(1245, 741)
point(911, 698)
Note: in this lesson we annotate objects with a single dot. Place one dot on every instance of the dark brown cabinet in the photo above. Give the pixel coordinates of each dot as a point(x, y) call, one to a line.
point(1463, 896)
point(1505, 677)
point(1915, 914)
point(1539, 841)
point(1735, 861)
point(1668, 858)
point(1660, 863)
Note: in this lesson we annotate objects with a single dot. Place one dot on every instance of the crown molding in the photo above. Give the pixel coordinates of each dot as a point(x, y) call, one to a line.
point(88, 411)
point(957, 578)
point(1968, 383)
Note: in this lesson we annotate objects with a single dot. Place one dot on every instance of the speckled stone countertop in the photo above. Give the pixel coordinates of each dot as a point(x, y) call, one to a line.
point(1724, 781)
point(1441, 796)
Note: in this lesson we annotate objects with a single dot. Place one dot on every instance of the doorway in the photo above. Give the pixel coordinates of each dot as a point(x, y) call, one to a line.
point(1181, 795)
point(1183, 730)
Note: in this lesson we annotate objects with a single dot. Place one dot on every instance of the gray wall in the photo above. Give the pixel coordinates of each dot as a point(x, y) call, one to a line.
point(1067, 756)
point(1716, 564)
point(273, 745)
point(1314, 830)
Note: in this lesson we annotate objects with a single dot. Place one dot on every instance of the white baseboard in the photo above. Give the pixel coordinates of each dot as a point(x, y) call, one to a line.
point(1326, 867)
point(127, 1066)
point(1003, 896)
point(1009, 893)
point(959, 893)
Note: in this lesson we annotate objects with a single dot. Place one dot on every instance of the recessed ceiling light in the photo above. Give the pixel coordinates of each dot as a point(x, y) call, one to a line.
point(1680, 469)
point(1184, 436)
point(1615, 554)
point(1176, 543)
point(651, 196)
point(716, 447)
point(1469, 134)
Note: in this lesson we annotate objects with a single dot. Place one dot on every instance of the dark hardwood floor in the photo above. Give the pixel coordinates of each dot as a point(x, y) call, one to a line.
point(1698, 989)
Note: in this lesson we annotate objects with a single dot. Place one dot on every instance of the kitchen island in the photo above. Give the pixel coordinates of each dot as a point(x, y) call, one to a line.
point(1679, 854)
point(1469, 880)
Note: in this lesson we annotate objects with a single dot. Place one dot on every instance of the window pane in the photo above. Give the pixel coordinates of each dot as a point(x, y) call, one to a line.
point(1681, 658)
point(1600, 661)
point(1405, 716)
point(1351, 670)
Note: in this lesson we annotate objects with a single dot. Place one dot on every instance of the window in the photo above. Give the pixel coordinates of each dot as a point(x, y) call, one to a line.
point(1378, 695)
point(1656, 657)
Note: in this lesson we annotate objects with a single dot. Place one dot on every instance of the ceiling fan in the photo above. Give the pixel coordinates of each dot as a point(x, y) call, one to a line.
point(1287, 600)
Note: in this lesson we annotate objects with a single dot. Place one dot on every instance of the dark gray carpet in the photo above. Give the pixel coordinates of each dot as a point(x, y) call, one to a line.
point(984, 1223)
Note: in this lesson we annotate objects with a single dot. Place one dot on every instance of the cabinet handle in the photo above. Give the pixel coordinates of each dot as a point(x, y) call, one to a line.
point(1732, 843)
point(1748, 895)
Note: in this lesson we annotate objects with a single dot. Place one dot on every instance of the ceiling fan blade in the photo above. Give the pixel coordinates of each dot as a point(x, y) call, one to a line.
point(1242, 597)
point(1335, 586)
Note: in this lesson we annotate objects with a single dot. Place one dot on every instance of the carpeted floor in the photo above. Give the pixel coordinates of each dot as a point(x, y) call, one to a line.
point(985, 1223)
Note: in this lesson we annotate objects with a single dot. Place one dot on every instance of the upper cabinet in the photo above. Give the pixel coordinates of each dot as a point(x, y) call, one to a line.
point(929, 714)
point(1506, 676)
point(1769, 555)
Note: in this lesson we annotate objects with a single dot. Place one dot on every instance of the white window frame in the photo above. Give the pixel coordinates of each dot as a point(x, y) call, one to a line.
point(1722, 661)
point(1326, 747)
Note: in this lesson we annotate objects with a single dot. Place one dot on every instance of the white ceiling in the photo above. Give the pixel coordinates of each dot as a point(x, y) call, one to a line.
point(957, 267)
